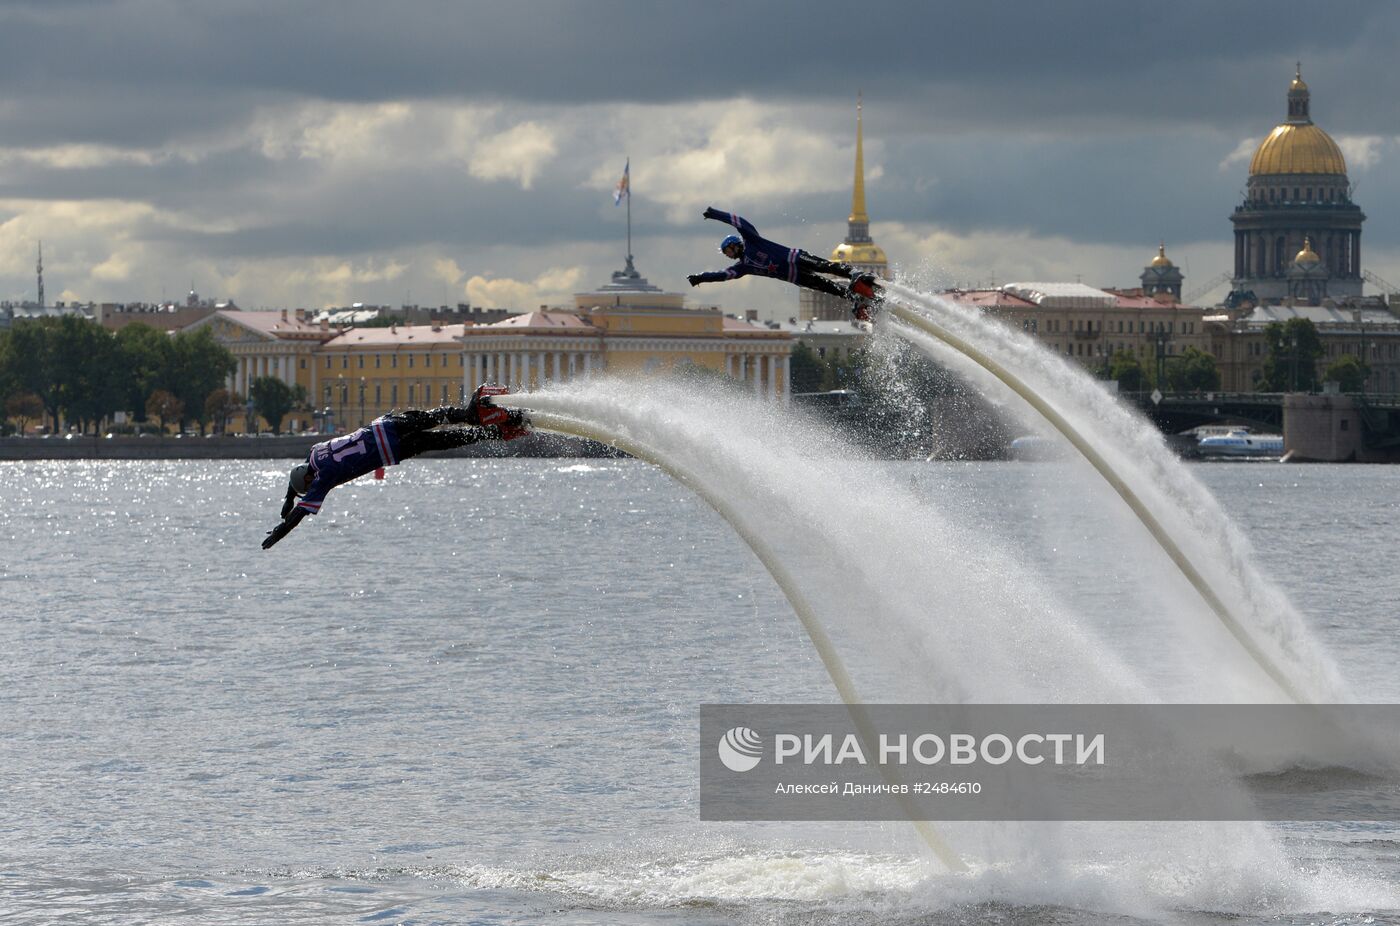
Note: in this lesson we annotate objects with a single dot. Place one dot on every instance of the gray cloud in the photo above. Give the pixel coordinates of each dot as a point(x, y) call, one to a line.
point(1100, 124)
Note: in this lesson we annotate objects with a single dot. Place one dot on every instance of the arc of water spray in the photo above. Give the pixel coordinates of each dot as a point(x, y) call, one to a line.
point(1096, 459)
point(561, 424)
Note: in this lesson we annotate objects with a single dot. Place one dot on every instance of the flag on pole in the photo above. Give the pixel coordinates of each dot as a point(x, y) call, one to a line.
point(624, 186)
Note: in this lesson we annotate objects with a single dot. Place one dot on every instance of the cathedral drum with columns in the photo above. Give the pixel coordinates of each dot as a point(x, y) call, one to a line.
point(1298, 233)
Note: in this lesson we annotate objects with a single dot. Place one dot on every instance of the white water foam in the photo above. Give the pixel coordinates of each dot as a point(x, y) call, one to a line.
point(979, 627)
point(1138, 454)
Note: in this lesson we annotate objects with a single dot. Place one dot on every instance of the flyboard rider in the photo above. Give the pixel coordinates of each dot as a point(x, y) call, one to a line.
point(387, 440)
point(754, 254)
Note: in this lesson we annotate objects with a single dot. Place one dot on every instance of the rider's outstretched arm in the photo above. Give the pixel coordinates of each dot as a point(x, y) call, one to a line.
point(717, 276)
point(729, 218)
point(277, 533)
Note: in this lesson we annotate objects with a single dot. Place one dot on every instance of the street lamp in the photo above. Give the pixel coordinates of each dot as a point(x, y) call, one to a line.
point(1161, 339)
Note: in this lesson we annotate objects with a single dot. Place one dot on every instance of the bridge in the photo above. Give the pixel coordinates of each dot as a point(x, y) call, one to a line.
point(1177, 412)
point(1264, 411)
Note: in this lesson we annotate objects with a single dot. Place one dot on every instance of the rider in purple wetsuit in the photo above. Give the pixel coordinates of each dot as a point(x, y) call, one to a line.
point(384, 442)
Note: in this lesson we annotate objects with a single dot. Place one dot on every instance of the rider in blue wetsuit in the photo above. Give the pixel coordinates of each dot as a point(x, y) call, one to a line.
point(754, 254)
point(387, 440)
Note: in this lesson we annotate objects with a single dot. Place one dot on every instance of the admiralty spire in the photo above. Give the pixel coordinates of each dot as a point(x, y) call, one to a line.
point(859, 249)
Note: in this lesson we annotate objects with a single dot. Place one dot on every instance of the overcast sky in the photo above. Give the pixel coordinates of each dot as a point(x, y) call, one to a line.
point(319, 153)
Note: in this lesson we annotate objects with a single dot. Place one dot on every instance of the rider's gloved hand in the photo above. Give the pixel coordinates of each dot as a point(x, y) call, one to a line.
point(693, 279)
point(276, 534)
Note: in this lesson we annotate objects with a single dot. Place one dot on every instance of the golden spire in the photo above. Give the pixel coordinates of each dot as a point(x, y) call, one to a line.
point(1161, 260)
point(858, 194)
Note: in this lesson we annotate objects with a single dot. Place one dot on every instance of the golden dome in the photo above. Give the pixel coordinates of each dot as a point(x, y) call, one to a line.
point(1298, 149)
point(1298, 83)
point(1297, 146)
point(864, 252)
point(1307, 257)
point(1161, 260)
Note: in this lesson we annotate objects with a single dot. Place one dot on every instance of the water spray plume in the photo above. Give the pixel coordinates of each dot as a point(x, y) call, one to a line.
point(1232, 623)
point(791, 588)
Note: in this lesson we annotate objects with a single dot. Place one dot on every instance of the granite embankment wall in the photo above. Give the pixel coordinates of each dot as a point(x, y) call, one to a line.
point(258, 448)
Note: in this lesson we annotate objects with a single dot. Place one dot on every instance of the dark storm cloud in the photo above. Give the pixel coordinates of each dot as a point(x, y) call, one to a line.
point(156, 69)
point(1096, 122)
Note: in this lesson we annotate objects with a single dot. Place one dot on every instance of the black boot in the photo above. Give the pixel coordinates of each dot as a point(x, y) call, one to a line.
point(452, 414)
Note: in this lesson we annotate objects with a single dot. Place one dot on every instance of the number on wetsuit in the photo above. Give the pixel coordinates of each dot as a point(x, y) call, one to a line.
point(349, 447)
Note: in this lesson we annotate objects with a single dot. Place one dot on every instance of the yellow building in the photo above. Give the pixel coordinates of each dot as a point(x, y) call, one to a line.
point(625, 327)
point(269, 344)
point(364, 372)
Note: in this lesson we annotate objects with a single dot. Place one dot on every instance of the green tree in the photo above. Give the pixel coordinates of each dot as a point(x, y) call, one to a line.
point(28, 349)
point(24, 408)
point(1128, 371)
point(1293, 349)
point(220, 406)
point(1193, 371)
point(165, 407)
point(272, 399)
point(144, 352)
point(197, 365)
point(69, 363)
point(1349, 372)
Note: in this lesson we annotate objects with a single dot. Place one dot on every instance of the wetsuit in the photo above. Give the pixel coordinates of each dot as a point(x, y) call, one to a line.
point(770, 259)
point(386, 441)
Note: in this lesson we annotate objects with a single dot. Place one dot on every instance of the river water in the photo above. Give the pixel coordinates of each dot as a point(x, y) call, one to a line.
point(469, 694)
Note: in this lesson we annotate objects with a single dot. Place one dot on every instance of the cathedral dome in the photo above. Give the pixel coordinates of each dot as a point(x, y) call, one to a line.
point(1297, 149)
point(1161, 260)
point(1307, 257)
point(1297, 146)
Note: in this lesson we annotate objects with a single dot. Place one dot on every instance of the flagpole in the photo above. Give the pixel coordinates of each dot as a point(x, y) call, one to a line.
point(629, 210)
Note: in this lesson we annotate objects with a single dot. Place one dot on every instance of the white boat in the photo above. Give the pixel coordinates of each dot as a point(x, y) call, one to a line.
point(1241, 442)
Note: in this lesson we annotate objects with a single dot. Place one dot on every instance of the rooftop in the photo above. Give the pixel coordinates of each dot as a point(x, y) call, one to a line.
point(399, 336)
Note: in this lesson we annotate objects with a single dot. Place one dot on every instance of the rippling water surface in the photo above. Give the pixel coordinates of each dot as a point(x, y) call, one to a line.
point(469, 693)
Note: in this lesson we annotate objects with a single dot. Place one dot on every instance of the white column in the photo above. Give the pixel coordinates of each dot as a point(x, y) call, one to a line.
point(587, 366)
point(558, 356)
point(787, 380)
point(541, 373)
point(524, 372)
point(573, 364)
point(743, 367)
point(758, 376)
point(729, 365)
point(772, 376)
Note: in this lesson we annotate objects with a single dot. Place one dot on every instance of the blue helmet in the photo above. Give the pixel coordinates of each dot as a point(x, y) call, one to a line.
point(730, 240)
